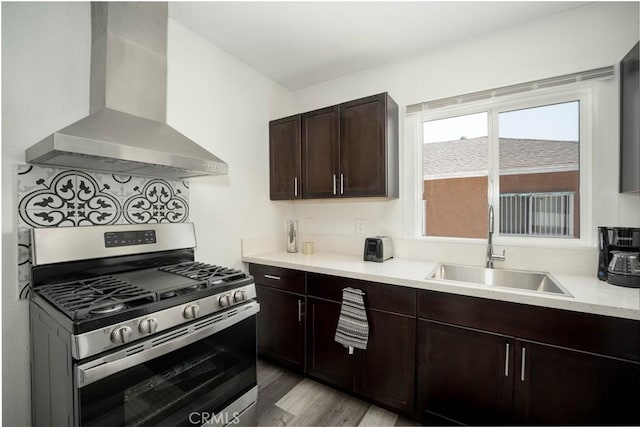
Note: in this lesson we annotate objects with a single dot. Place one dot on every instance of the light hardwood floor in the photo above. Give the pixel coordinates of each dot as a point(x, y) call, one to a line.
point(289, 399)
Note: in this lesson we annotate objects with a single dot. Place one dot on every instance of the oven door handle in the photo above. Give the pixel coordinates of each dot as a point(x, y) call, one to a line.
point(159, 345)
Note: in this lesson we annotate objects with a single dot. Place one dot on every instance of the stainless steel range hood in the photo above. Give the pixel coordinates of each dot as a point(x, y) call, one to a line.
point(126, 131)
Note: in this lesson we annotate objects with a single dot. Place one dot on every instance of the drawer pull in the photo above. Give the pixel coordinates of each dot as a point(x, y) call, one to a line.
point(269, 276)
point(506, 361)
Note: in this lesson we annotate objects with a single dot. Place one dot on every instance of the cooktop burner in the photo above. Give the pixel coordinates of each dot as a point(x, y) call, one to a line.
point(200, 271)
point(110, 295)
point(108, 309)
point(102, 295)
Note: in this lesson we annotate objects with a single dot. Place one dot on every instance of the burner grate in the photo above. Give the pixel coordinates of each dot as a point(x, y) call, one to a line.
point(103, 295)
point(213, 274)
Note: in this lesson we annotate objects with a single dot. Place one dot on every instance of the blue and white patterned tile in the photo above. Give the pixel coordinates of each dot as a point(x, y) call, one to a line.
point(120, 186)
point(44, 217)
point(96, 204)
point(29, 175)
point(54, 197)
point(157, 201)
point(45, 188)
point(181, 188)
point(24, 258)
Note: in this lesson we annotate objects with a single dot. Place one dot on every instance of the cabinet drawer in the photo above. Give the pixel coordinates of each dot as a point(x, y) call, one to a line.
point(280, 278)
point(589, 332)
point(396, 299)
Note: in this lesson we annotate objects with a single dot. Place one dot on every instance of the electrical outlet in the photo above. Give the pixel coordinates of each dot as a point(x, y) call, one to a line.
point(308, 224)
point(360, 223)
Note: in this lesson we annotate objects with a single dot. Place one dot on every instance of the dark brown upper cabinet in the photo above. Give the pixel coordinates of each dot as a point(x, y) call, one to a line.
point(320, 152)
point(369, 147)
point(285, 169)
point(630, 121)
point(346, 150)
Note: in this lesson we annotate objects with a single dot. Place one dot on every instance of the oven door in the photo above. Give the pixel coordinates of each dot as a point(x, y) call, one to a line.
point(191, 375)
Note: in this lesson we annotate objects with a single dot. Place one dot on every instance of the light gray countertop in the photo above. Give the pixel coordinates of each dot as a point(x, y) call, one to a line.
point(590, 295)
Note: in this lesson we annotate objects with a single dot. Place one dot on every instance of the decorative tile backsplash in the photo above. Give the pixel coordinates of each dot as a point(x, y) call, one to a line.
point(52, 197)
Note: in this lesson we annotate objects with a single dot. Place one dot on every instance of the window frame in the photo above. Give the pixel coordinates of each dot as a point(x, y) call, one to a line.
point(584, 93)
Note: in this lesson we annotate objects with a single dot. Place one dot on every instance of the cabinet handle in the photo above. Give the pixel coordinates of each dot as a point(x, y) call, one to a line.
point(295, 186)
point(341, 183)
point(300, 310)
point(334, 184)
point(269, 276)
point(506, 361)
point(524, 355)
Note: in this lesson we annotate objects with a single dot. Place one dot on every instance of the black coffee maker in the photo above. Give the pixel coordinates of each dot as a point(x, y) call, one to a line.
point(618, 261)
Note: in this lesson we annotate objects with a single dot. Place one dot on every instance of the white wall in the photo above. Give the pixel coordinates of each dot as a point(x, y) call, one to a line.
point(584, 38)
point(45, 86)
point(213, 98)
point(225, 106)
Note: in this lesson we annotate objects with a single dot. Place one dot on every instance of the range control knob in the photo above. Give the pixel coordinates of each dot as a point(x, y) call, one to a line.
point(148, 325)
point(121, 335)
point(225, 300)
point(191, 311)
point(239, 296)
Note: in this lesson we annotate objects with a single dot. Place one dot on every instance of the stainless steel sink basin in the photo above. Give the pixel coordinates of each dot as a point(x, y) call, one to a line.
point(515, 279)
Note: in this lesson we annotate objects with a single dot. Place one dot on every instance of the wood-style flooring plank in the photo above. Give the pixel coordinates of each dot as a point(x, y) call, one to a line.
point(274, 378)
point(406, 422)
point(346, 411)
point(315, 404)
point(305, 394)
point(287, 399)
point(376, 416)
point(272, 416)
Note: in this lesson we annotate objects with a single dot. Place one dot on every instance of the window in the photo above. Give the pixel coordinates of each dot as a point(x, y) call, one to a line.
point(539, 166)
point(456, 168)
point(522, 156)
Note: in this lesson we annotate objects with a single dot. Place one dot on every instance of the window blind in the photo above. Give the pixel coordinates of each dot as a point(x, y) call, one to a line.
point(595, 74)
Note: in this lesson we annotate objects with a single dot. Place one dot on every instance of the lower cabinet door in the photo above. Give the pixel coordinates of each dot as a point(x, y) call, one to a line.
point(326, 359)
point(561, 386)
point(463, 374)
point(281, 327)
point(385, 371)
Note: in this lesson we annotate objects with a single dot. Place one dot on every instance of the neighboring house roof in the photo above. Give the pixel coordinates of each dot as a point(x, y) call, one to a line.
point(468, 157)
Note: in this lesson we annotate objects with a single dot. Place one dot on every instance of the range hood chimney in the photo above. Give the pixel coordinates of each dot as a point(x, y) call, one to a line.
point(126, 131)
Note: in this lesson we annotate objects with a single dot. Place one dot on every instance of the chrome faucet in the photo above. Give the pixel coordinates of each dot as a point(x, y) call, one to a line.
point(490, 255)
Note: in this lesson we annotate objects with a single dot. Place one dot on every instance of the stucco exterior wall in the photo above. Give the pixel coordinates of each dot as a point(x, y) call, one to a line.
point(457, 207)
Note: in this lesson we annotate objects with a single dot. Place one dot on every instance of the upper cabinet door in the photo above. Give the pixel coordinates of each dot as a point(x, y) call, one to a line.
point(629, 121)
point(320, 133)
point(368, 147)
point(285, 159)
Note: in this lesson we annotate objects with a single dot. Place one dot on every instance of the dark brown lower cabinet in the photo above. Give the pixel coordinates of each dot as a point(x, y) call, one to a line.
point(385, 371)
point(326, 359)
point(476, 361)
point(564, 386)
point(464, 374)
point(477, 377)
point(281, 327)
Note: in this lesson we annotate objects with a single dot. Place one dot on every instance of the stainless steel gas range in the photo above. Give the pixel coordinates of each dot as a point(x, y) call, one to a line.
point(128, 330)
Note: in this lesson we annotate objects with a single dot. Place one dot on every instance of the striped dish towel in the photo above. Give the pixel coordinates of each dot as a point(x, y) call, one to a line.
point(353, 329)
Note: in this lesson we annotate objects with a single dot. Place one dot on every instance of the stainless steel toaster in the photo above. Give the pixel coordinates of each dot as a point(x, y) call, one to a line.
point(378, 248)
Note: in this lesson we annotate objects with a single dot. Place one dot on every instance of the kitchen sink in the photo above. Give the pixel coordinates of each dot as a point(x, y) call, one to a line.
point(515, 279)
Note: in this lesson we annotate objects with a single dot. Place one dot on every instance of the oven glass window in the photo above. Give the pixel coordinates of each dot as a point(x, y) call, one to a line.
point(175, 389)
